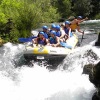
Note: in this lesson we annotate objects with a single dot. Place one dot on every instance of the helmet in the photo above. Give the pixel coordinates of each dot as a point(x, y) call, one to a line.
point(58, 27)
point(41, 33)
point(53, 32)
point(67, 22)
point(45, 27)
point(53, 26)
point(79, 17)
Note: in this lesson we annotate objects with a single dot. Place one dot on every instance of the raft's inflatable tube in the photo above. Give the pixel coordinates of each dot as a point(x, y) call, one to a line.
point(48, 52)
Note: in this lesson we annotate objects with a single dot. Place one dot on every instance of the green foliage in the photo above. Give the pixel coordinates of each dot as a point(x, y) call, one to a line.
point(52, 16)
point(30, 14)
point(82, 7)
point(96, 7)
point(64, 7)
point(26, 15)
point(2, 17)
point(97, 16)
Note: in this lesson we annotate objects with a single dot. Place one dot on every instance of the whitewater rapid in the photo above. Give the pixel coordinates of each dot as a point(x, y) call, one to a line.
point(22, 82)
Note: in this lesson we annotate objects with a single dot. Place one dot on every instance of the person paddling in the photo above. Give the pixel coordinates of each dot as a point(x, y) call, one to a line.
point(40, 39)
point(46, 32)
point(67, 30)
point(53, 27)
point(54, 40)
point(58, 32)
point(75, 24)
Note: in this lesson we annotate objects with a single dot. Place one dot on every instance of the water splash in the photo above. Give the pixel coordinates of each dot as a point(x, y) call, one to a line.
point(38, 83)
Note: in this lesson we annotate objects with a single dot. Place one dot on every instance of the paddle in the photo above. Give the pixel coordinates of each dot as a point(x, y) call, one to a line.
point(63, 44)
point(27, 39)
point(79, 43)
point(82, 36)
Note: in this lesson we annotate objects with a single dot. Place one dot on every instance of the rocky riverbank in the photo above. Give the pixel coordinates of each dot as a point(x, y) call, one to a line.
point(94, 76)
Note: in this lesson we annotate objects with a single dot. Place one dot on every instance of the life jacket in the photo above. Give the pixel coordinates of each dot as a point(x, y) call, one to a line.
point(43, 41)
point(67, 30)
point(73, 26)
point(53, 40)
point(58, 33)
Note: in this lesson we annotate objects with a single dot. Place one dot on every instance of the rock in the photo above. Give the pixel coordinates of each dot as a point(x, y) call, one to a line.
point(87, 69)
point(95, 96)
point(94, 76)
point(98, 41)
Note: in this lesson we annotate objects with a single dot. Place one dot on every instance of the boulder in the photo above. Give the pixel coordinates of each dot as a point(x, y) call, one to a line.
point(95, 96)
point(94, 76)
point(87, 69)
point(98, 41)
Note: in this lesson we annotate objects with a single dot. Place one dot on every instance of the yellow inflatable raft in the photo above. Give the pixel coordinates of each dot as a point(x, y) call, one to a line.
point(48, 52)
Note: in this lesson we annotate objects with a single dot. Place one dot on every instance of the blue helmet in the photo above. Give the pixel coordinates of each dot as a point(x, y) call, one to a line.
point(45, 27)
point(41, 33)
point(58, 27)
point(67, 22)
point(79, 17)
point(53, 32)
point(53, 26)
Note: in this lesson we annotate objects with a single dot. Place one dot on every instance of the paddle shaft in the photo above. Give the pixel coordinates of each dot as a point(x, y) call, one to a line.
point(82, 37)
point(79, 43)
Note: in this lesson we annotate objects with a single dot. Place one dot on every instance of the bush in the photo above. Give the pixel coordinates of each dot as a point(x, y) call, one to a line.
point(97, 16)
point(26, 15)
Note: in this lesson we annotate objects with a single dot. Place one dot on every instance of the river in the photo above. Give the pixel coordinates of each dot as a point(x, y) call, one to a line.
point(21, 81)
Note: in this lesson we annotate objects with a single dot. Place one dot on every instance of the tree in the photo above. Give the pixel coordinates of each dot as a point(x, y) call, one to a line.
point(26, 15)
point(82, 7)
point(96, 8)
point(64, 8)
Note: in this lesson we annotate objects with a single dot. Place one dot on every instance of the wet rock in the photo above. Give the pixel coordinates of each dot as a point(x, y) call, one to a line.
point(98, 41)
point(94, 77)
point(95, 96)
point(87, 69)
point(90, 53)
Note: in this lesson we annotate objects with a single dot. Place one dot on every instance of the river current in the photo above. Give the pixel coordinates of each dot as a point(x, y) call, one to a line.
point(21, 81)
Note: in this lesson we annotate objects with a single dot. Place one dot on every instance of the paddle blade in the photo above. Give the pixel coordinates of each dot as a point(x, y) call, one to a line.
point(26, 39)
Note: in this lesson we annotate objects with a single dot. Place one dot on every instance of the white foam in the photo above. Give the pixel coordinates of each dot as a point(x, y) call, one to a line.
point(38, 83)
